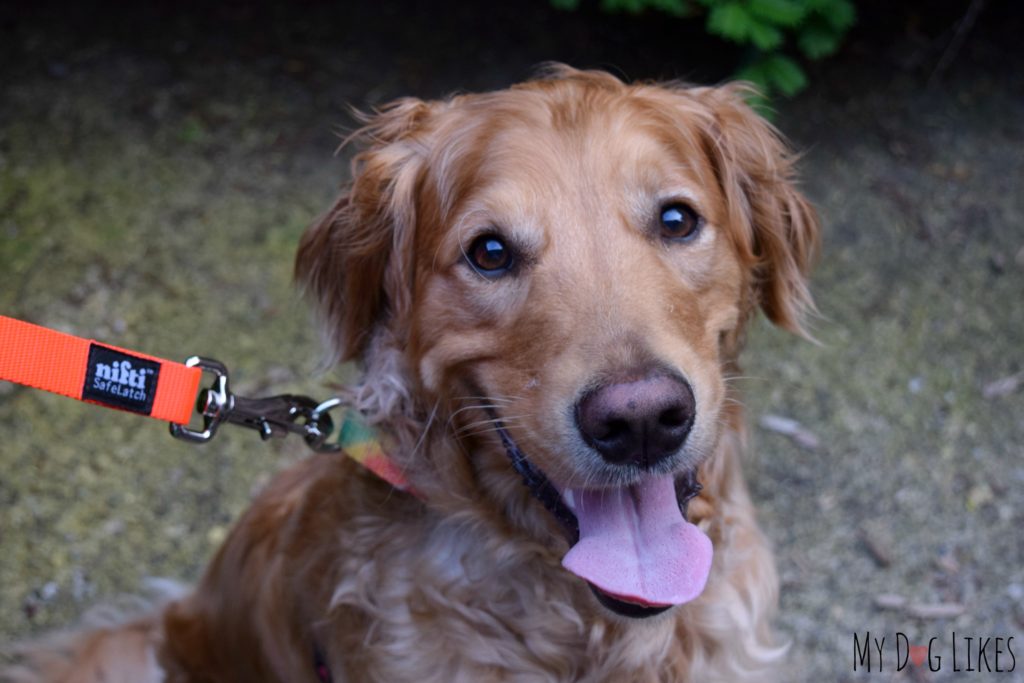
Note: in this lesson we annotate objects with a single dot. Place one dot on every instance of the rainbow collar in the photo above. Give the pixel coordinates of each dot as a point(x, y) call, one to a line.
point(370, 449)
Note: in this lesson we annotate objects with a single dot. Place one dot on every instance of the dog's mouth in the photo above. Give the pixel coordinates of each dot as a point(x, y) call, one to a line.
point(632, 544)
point(635, 548)
point(624, 607)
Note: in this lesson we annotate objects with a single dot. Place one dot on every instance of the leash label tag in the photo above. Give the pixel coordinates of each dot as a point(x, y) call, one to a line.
point(120, 380)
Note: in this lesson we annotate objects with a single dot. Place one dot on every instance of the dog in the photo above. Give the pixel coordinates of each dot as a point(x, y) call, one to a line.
point(545, 288)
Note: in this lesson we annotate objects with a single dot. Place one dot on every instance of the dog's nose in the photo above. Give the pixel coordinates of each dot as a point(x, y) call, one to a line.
point(639, 422)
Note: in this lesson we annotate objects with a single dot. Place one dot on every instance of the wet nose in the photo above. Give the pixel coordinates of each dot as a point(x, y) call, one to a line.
point(639, 422)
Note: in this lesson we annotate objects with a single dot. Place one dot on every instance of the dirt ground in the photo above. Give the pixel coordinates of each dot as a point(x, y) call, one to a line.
point(157, 168)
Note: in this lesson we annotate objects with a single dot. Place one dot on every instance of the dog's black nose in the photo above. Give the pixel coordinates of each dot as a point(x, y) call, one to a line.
point(638, 422)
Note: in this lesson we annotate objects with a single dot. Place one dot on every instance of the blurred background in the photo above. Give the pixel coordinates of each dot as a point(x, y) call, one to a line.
point(159, 161)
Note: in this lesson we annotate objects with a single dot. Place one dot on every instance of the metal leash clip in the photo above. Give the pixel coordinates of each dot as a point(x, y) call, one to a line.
point(270, 416)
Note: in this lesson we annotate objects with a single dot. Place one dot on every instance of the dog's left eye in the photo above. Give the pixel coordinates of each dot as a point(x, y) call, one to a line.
point(679, 222)
point(490, 256)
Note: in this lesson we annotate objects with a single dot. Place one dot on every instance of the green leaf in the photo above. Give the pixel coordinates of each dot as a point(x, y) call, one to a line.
point(758, 99)
point(785, 74)
point(618, 5)
point(765, 37)
point(840, 14)
point(730, 20)
point(565, 4)
point(775, 72)
point(756, 74)
point(779, 12)
point(762, 104)
point(677, 8)
point(816, 41)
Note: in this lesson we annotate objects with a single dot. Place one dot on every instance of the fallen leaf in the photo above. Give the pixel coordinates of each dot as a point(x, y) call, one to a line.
point(879, 550)
point(1003, 386)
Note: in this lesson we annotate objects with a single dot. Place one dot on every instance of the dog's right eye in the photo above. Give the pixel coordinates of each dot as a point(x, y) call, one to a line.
point(679, 222)
point(490, 256)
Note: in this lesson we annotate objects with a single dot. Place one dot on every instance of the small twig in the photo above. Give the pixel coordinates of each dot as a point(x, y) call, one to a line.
point(890, 601)
point(939, 610)
point(953, 49)
point(791, 428)
point(919, 610)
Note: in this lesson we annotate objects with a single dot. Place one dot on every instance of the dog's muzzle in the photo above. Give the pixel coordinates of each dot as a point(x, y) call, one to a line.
point(665, 563)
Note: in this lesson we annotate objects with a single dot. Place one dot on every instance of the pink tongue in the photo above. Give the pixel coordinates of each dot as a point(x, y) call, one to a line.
point(635, 544)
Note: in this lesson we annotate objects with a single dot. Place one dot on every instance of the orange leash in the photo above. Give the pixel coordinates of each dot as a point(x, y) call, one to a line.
point(86, 370)
point(109, 376)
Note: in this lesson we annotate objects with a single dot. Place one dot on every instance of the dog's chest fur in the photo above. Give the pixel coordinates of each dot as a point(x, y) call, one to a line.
point(488, 607)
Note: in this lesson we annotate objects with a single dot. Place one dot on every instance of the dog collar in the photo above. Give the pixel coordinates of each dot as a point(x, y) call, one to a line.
point(370, 449)
point(539, 485)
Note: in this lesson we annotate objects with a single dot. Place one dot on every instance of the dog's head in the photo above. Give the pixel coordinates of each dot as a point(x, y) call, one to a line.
point(564, 269)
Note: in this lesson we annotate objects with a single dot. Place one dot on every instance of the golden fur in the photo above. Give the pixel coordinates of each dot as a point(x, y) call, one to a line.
point(466, 584)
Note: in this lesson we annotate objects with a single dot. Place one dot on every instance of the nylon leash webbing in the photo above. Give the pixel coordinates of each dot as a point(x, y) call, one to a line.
point(110, 376)
point(97, 373)
point(113, 377)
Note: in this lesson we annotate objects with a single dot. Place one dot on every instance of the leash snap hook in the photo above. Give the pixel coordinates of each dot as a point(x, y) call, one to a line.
point(271, 416)
point(320, 426)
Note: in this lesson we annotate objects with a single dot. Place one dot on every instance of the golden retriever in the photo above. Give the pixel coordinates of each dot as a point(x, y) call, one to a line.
point(546, 289)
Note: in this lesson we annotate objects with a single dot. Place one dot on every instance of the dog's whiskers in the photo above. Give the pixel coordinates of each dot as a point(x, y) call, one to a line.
point(495, 421)
point(488, 404)
point(506, 399)
point(482, 407)
point(426, 427)
point(733, 378)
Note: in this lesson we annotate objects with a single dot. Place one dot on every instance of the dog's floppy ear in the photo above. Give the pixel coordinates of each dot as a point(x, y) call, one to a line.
point(355, 260)
point(778, 227)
